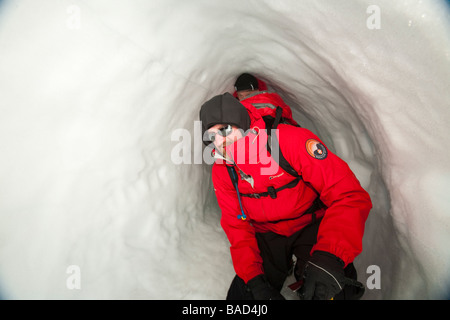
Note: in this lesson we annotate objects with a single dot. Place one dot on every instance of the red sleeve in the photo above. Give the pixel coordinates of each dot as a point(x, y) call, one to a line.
point(342, 227)
point(244, 249)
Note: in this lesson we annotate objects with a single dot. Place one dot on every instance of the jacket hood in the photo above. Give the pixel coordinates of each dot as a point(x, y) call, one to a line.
point(224, 109)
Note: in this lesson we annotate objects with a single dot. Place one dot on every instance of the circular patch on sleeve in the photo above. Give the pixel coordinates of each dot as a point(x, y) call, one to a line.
point(316, 150)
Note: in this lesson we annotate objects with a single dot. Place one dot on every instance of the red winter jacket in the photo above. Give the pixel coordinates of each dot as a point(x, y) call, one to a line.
point(266, 103)
point(348, 204)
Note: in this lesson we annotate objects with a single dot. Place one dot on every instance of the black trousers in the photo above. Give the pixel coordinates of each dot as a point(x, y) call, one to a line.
point(276, 252)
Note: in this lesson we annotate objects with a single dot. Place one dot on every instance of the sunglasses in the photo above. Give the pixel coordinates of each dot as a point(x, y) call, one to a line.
point(224, 131)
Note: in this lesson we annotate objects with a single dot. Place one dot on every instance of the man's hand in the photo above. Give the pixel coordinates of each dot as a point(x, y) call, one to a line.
point(262, 290)
point(323, 277)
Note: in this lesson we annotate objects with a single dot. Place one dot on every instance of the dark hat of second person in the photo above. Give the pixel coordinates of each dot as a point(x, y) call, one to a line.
point(246, 82)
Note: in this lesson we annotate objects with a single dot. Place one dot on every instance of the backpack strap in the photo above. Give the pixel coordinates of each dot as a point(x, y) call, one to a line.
point(271, 191)
point(273, 141)
point(286, 166)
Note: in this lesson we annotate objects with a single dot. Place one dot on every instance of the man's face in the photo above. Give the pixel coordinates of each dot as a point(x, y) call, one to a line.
point(244, 93)
point(224, 135)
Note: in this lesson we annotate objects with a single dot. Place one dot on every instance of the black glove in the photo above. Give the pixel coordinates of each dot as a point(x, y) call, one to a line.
point(323, 277)
point(262, 290)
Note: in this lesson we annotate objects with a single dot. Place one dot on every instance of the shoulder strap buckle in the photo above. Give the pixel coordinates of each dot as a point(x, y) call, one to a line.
point(272, 192)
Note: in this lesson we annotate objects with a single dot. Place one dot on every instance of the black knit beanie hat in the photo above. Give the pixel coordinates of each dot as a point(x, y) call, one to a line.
point(246, 82)
point(224, 109)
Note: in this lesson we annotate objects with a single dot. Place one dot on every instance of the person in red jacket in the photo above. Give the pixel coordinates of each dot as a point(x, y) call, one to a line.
point(269, 215)
point(252, 92)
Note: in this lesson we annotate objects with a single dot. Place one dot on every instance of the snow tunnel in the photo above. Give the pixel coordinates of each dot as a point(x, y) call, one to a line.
point(104, 190)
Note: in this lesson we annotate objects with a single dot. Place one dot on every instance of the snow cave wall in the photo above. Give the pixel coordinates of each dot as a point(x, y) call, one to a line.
point(100, 169)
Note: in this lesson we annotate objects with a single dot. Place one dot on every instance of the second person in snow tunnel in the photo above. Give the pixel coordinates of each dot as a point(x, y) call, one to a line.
point(251, 91)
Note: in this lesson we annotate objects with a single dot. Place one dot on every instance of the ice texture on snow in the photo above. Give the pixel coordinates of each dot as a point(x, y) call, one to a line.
point(92, 92)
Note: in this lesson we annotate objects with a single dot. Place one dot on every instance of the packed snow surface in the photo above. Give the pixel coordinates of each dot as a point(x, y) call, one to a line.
point(103, 191)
